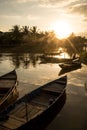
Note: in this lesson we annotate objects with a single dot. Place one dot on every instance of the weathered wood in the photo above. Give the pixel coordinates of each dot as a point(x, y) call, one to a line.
point(33, 106)
point(8, 91)
point(54, 88)
point(18, 118)
point(40, 103)
point(7, 83)
point(11, 123)
point(4, 128)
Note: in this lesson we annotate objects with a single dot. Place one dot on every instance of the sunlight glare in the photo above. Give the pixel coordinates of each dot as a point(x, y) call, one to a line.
point(62, 56)
point(62, 29)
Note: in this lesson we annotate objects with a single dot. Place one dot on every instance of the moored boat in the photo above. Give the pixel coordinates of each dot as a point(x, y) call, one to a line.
point(70, 65)
point(32, 109)
point(8, 90)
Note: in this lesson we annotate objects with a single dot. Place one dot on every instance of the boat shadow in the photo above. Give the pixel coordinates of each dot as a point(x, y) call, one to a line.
point(50, 115)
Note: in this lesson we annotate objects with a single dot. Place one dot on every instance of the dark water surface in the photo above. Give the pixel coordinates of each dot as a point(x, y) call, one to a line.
point(73, 115)
point(32, 74)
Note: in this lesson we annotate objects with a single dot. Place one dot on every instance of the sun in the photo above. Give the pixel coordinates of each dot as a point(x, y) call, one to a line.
point(62, 29)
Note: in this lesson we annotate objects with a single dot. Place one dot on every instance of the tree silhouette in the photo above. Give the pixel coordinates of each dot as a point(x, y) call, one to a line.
point(16, 33)
point(25, 30)
point(34, 31)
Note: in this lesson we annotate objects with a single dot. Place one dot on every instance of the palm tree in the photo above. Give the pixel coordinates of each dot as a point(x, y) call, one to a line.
point(25, 30)
point(16, 33)
point(34, 31)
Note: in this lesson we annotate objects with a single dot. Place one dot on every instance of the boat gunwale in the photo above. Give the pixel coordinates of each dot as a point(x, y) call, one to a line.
point(44, 112)
point(51, 105)
point(11, 89)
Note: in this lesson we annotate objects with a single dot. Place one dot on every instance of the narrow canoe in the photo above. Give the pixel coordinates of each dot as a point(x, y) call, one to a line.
point(70, 65)
point(35, 107)
point(8, 90)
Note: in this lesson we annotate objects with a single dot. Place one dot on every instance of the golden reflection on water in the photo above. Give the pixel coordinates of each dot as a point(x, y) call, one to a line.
point(40, 74)
point(62, 55)
point(32, 76)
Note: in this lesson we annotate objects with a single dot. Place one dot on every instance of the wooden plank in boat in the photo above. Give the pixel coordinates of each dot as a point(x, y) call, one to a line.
point(20, 111)
point(43, 99)
point(17, 108)
point(11, 123)
point(3, 128)
point(39, 103)
point(8, 76)
point(60, 82)
point(6, 83)
point(54, 88)
point(17, 118)
point(12, 77)
point(33, 112)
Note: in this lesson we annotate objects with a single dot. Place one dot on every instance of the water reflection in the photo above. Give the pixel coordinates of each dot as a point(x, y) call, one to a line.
point(56, 58)
point(63, 55)
point(24, 60)
point(31, 59)
point(28, 60)
point(32, 74)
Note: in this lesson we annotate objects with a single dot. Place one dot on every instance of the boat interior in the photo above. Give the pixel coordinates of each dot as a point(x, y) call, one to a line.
point(5, 87)
point(33, 104)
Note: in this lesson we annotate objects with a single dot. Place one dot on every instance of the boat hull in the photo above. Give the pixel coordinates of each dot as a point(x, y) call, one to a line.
point(36, 109)
point(43, 120)
point(8, 90)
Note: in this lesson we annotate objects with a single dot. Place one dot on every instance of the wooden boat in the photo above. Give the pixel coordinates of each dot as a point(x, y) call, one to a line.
point(8, 91)
point(67, 70)
point(52, 59)
point(34, 108)
point(70, 65)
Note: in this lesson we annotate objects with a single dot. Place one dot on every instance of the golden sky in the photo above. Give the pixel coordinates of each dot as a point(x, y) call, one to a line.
point(62, 16)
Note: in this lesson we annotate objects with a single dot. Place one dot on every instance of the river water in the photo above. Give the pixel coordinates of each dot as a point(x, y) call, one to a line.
point(32, 73)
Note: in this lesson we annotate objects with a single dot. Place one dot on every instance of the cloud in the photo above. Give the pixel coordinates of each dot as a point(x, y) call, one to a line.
point(23, 6)
point(31, 17)
point(30, 3)
point(55, 3)
point(27, 17)
point(25, 1)
point(10, 16)
point(16, 7)
point(85, 20)
point(22, 1)
point(14, 1)
point(42, 12)
point(81, 9)
point(45, 3)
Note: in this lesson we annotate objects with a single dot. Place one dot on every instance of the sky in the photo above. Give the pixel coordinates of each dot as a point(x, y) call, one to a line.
point(63, 15)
